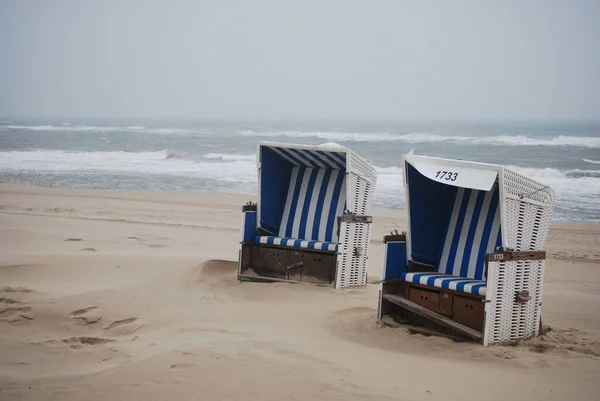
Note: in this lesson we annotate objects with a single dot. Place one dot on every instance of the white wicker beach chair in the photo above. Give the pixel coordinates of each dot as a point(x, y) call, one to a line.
point(471, 262)
point(311, 222)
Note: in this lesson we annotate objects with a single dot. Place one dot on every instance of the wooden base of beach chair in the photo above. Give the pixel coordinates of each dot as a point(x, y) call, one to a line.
point(279, 263)
point(436, 318)
point(448, 312)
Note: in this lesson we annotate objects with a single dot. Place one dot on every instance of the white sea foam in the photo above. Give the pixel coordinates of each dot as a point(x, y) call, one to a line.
point(591, 161)
point(388, 170)
point(126, 162)
point(230, 157)
point(32, 127)
point(575, 189)
point(67, 127)
point(583, 173)
point(174, 131)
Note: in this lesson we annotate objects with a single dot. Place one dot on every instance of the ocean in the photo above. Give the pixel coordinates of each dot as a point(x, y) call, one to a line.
point(221, 155)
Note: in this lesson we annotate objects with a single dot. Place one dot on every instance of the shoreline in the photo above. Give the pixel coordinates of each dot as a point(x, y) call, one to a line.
point(187, 195)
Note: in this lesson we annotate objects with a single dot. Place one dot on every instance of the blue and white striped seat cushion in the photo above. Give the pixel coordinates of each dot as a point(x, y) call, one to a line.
point(462, 284)
point(298, 243)
point(316, 196)
point(473, 231)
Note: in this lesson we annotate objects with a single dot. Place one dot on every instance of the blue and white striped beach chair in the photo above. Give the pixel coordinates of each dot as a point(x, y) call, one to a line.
point(311, 220)
point(472, 257)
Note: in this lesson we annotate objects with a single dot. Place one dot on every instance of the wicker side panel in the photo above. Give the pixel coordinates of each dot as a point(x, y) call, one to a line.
point(518, 185)
point(354, 239)
point(361, 199)
point(362, 180)
point(354, 248)
point(527, 225)
point(506, 319)
point(528, 207)
point(361, 167)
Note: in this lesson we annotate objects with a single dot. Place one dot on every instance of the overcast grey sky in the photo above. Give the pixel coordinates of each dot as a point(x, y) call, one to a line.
point(302, 59)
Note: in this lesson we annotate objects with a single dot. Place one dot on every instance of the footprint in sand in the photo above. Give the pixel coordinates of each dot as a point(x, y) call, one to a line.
point(13, 310)
point(182, 365)
point(16, 289)
point(15, 314)
point(86, 320)
point(58, 210)
point(87, 340)
point(82, 311)
point(9, 301)
point(121, 322)
point(88, 250)
point(124, 326)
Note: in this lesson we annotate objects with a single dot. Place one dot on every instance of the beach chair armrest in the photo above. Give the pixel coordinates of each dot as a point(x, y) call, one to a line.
point(249, 207)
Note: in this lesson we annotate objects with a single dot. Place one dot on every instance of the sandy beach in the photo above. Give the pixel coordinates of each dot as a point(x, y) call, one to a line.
point(109, 295)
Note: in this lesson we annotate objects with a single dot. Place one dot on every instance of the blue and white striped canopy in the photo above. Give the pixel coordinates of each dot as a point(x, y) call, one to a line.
point(473, 231)
point(311, 158)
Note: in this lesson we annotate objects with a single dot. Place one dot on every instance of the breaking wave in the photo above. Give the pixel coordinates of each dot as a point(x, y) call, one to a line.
point(552, 173)
point(410, 138)
point(583, 173)
point(414, 138)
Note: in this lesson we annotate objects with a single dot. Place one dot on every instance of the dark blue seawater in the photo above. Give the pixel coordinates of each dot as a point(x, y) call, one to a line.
point(220, 155)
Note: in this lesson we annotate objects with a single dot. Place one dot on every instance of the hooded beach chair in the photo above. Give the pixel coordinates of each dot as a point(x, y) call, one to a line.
point(471, 262)
point(311, 222)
